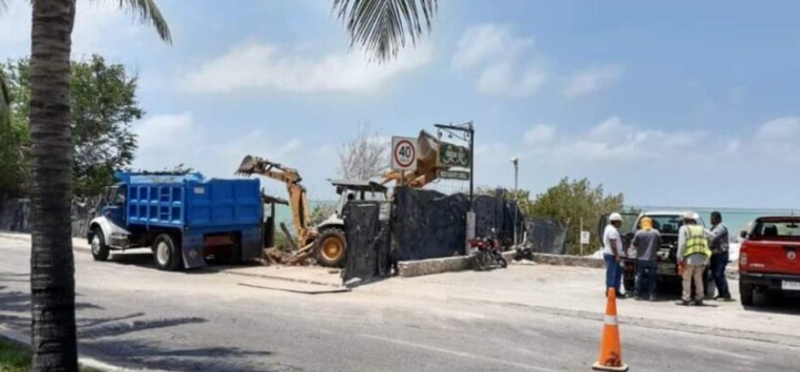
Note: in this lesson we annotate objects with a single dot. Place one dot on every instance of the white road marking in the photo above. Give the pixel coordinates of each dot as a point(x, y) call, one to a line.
point(458, 353)
point(724, 353)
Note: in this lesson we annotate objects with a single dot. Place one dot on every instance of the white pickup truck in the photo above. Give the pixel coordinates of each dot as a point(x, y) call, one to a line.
point(668, 223)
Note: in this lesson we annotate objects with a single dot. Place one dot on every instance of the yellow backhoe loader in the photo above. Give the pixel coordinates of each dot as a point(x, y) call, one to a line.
point(327, 241)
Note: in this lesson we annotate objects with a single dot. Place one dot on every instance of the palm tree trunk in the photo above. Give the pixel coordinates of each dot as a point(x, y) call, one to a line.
point(54, 341)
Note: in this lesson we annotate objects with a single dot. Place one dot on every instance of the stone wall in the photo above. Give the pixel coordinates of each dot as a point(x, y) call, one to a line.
point(17, 215)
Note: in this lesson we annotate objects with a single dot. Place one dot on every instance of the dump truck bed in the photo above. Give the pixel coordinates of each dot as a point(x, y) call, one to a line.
point(192, 203)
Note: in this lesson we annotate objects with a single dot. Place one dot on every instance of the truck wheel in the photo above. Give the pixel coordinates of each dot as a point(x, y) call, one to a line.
point(746, 292)
point(166, 255)
point(100, 251)
point(234, 254)
point(331, 246)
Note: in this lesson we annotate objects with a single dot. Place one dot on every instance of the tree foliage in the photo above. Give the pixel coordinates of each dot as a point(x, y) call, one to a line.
point(14, 140)
point(364, 157)
point(103, 101)
point(321, 211)
point(569, 202)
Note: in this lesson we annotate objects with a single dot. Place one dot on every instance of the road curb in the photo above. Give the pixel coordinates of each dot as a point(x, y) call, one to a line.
point(275, 277)
point(26, 237)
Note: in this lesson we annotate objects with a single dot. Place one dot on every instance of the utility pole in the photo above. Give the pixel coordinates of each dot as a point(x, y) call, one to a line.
point(515, 161)
point(466, 132)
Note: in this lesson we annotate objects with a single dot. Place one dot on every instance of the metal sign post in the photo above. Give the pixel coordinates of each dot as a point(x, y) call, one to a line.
point(586, 237)
point(455, 154)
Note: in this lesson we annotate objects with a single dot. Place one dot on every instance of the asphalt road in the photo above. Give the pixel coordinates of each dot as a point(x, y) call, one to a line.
point(135, 316)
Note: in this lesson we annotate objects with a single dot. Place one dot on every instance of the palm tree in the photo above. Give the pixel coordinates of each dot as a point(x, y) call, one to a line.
point(54, 341)
point(379, 26)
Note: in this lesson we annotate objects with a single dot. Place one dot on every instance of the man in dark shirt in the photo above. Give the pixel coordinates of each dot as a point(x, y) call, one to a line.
point(646, 242)
point(720, 256)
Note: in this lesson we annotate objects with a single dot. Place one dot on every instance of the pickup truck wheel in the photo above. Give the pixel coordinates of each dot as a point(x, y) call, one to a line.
point(331, 246)
point(166, 254)
point(746, 291)
point(100, 251)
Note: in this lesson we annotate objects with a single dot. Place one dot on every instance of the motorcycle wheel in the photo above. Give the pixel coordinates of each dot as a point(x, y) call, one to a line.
point(501, 260)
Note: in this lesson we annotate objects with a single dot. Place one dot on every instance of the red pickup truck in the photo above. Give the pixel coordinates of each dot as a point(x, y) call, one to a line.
point(770, 258)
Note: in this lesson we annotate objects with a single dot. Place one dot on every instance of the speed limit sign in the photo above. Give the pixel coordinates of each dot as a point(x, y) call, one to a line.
point(404, 153)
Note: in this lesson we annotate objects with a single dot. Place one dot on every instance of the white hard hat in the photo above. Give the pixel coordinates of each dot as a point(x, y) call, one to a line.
point(690, 216)
point(615, 217)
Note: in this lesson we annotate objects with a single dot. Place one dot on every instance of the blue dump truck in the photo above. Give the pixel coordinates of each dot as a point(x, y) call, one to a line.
point(184, 218)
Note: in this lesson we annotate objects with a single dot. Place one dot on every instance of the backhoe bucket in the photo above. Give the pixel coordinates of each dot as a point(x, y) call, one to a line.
point(248, 166)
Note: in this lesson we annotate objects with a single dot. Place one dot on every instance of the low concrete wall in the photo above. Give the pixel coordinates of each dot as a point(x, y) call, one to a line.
point(410, 269)
point(552, 259)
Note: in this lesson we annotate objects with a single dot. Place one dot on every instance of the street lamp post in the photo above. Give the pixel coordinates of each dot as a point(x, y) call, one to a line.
point(515, 161)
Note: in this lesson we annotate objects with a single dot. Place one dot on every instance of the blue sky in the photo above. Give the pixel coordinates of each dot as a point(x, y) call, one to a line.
point(678, 103)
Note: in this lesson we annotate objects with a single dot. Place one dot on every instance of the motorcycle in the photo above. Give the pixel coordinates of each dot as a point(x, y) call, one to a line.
point(487, 253)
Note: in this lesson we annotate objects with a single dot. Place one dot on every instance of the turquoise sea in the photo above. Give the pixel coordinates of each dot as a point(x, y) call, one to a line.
point(737, 219)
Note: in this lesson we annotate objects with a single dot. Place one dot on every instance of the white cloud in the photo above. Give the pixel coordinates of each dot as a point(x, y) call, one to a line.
point(592, 80)
point(168, 140)
point(162, 130)
point(780, 129)
point(15, 23)
point(266, 67)
point(539, 134)
point(614, 139)
point(99, 26)
point(499, 55)
point(488, 42)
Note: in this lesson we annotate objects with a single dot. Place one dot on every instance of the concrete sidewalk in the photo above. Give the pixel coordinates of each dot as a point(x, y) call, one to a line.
point(578, 292)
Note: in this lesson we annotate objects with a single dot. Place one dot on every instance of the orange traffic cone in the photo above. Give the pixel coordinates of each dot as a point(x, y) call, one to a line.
point(611, 347)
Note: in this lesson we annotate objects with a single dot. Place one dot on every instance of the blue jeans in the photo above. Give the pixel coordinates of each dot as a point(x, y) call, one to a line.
point(646, 271)
point(718, 264)
point(613, 273)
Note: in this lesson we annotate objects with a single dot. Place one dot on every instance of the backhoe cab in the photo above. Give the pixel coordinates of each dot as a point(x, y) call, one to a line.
point(331, 240)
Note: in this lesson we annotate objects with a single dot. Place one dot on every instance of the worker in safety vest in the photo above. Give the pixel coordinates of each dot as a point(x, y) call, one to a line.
point(693, 255)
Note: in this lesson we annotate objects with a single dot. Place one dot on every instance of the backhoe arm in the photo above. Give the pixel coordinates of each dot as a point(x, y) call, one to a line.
point(298, 200)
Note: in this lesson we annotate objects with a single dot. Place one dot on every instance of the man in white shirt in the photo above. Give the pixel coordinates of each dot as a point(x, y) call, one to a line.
point(612, 253)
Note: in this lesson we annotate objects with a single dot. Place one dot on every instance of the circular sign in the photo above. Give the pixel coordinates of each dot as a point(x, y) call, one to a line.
point(404, 153)
point(791, 255)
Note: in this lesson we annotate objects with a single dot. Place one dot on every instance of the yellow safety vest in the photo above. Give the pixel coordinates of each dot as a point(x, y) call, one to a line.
point(696, 242)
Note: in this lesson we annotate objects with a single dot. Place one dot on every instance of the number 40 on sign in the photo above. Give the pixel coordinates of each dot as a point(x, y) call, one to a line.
point(404, 153)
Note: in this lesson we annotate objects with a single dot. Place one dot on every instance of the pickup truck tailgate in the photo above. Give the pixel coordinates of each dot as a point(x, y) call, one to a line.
point(779, 257)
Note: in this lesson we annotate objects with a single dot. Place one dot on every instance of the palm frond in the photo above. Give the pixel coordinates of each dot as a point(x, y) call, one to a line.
point(147, 11)
point(382, 26)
